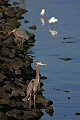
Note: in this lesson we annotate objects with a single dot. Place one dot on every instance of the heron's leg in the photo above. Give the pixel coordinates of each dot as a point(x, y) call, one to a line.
point(39, 87)
point(22, 43)
point(30, 102)
point(34, 102)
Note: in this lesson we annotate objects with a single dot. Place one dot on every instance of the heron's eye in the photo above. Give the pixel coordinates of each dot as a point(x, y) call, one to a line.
point(38, 62)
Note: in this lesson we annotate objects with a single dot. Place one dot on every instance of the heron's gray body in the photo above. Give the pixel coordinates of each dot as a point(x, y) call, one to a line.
point(19, 32)
point(30, 89)
point(21, 36)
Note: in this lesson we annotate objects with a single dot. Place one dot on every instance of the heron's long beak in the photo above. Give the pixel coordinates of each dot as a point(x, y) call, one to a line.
point(44, 64)
point(11, 31)
point(40, 63)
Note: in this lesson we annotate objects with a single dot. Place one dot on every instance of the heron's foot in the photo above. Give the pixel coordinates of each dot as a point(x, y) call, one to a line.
point(34, 107)
point(24, 99)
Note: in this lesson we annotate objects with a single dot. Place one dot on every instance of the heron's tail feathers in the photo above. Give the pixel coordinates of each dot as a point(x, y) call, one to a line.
point(26, 99)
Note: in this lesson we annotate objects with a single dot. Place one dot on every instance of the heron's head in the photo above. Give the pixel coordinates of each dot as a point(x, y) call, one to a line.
point(40, 63)
point(12, 31)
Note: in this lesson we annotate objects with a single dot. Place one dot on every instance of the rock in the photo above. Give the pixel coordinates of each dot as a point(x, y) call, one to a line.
point(20, 10)
point(15, 67)
point(2, 76)
point(15, 3)
point(4, 2)
point(26, 21)
point(77, 113)
point(49, 110)
point(64, 38)
point(3, 116)
point(66, 59)
point(33, 27)
point(9, 12)
point(43, 100)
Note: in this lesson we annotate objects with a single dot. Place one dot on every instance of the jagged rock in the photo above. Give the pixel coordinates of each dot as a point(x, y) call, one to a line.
point(15, 68)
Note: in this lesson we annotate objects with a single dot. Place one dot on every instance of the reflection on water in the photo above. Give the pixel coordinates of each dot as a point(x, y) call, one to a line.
point(53, 32)
point(22, 1)
point(42, 21)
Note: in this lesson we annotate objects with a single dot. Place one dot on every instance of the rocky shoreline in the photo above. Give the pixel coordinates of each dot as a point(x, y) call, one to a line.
point(16, 70)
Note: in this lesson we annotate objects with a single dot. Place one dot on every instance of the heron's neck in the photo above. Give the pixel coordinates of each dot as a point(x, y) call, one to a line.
point(37, 73)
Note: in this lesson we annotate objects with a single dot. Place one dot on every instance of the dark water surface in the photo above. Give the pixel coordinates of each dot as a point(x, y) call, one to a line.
point(63, 76)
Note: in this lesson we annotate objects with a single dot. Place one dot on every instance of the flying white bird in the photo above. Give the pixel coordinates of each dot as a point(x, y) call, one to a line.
point(42, 13)
point(52, 20)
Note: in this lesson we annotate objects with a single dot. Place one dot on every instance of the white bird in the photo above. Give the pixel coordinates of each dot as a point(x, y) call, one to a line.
point(52, 20)
point(42, 13)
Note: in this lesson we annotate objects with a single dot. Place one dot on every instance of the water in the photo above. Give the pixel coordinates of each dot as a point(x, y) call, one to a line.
point(61, 75)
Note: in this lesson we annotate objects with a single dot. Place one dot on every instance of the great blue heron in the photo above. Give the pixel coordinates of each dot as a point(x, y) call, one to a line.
point(20, 34)
point(33, 85)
